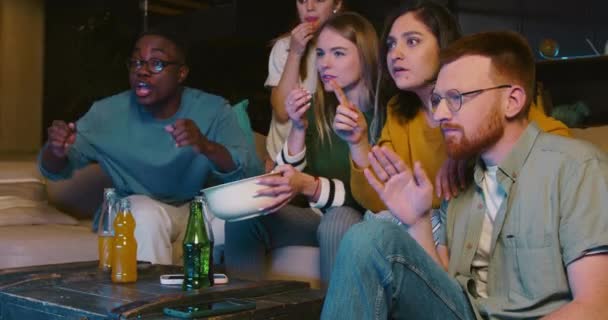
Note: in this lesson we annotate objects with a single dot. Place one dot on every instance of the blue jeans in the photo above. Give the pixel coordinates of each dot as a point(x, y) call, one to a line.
point(382, 273)
point(249, 242)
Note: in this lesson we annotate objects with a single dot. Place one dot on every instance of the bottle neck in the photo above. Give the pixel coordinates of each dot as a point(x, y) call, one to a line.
point(197, 229)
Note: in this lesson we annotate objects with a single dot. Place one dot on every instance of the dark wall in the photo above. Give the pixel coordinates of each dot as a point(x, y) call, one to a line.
point(88, 42)
point(85, 50)
point(568, 22)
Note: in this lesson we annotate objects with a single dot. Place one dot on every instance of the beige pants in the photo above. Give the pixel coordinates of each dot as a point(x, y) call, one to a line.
point(159, 230)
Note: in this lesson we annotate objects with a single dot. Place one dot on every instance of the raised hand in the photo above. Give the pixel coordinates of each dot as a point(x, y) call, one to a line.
point(451, 178)
point(297, 103)
point(349, 123)
point(62, 136)
point(186, 133)
point(300, 36)
point(408, 195)
point(283, 187)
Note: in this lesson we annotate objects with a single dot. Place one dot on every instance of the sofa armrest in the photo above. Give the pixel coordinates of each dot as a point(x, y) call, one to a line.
point(80, 195)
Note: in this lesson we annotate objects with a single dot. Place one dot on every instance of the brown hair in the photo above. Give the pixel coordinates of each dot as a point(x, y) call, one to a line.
point(511, 56)
point(443, 26)
point(362, 34)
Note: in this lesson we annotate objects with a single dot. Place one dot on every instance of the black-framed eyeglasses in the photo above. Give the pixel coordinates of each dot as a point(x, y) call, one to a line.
point(453, 97)
point(154, 65)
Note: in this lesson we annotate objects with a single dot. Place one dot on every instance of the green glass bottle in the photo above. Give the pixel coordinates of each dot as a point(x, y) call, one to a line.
point(198, 247)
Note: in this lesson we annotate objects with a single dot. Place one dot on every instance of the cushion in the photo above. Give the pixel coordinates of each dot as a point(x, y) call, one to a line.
point(243, 118)
point(595, 135)
point(23, 198)
point(296, 263)
point(240, 109)
point(33, 213)
point(572, 115)
point(22, 246)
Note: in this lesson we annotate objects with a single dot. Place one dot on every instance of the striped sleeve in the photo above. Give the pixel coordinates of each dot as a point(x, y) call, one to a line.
point(297, 161)
point(332, 194)
point(438, 226)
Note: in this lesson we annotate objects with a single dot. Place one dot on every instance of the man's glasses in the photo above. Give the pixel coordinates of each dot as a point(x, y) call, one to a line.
point(154, 65)
point(453, 97)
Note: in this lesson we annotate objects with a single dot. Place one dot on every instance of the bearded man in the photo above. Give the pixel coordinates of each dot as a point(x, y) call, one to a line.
point(526, 240)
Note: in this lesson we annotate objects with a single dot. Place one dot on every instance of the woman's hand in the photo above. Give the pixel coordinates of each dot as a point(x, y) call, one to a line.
point(451, 178)
point(285, 186)
point(300, 36)
point(296, 104)
point(349, 123)
point(268, 163)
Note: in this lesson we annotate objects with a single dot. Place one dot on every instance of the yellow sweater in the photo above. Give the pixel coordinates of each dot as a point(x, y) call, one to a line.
point(415, 140)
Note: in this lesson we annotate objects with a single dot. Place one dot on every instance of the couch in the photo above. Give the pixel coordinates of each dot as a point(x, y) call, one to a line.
point(60, 229)
point(45, 234)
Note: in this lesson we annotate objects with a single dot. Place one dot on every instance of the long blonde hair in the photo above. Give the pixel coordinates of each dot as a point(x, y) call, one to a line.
point(362, 34)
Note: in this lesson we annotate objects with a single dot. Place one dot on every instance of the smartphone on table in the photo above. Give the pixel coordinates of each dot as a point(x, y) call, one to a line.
point(209, 309)
point(178, 278)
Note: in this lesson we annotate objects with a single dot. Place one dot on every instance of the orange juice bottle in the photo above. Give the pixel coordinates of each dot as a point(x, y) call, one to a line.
point(105, 229)
point(124, 255)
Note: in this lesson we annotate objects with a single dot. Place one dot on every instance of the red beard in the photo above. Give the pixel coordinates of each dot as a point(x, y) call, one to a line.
point(463, 147)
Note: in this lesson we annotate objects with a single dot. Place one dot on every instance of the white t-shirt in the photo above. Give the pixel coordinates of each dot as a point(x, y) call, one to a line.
point(276, 64)
point(493, 196)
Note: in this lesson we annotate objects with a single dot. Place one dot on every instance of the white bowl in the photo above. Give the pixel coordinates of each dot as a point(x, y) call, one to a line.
point(236, 201)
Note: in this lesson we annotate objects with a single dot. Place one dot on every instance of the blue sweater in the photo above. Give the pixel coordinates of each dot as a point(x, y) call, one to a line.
point(140, 157)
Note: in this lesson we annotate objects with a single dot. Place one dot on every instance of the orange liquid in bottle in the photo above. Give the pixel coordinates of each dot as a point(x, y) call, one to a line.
point(124, 255)
point(104, 244)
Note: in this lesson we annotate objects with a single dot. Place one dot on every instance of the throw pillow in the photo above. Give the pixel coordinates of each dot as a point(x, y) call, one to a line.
point(573, 115)
point(243, 118)
point(240, 109)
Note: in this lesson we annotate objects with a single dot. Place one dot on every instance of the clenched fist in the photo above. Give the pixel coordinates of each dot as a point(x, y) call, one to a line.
point(62, 136)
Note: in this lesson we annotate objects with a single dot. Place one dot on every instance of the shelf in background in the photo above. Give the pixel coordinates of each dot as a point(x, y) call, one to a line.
point(579, 79)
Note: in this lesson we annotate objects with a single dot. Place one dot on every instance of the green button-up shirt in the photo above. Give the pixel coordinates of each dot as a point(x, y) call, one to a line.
point(555, 212)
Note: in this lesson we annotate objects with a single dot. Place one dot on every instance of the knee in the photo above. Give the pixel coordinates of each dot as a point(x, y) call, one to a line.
point(236, 228)
point(369, 238)
point(238, 231)
point(149, 218)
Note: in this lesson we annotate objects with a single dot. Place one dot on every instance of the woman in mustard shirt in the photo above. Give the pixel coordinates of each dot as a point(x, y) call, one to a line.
point(410, 44)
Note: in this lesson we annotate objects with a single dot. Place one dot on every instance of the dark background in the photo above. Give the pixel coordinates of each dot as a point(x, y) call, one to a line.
point(87, 42)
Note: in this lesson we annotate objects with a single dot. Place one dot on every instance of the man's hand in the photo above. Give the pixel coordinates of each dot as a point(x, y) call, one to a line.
point(407, 195)
point(349, 123)
point(186, 133)
point(296, 104)
point(61, 137)
point(451, 178)
point(300, 36)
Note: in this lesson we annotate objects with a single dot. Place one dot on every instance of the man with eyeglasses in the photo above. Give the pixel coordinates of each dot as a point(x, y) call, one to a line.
point(159, 142)
point(528, 239)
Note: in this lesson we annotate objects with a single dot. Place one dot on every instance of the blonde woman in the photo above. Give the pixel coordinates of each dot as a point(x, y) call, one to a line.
point(292, 65)
point(314, 160)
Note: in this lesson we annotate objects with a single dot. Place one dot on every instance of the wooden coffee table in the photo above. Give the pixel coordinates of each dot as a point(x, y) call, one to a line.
point(80, 291)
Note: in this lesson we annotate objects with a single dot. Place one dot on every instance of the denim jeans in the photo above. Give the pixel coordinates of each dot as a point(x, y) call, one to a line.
point(249, 242)
point(382, 273)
